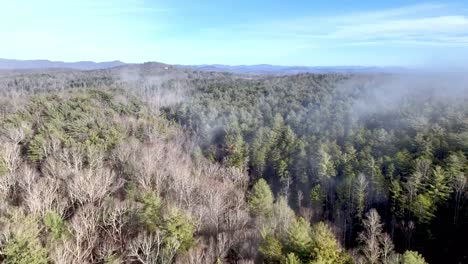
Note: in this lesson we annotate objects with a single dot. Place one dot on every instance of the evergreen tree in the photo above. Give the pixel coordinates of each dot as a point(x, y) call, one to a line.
point(178, 227)
point(261, 199)
point(325, 165)
point(438, 187)
point(260, 148)
point(298, 239)
point(235, 149)
point(271, 249)
point(291, 258)
point(325, 248)
point(413, 257)
point(423, 208)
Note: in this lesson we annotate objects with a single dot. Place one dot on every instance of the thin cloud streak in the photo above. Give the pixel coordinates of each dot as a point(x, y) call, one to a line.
point(436, 23)
point(407, 29)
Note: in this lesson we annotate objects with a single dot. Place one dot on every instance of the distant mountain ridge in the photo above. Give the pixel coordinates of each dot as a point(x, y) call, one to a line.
point(259, 69)
point(9, 64)
point(277, 69)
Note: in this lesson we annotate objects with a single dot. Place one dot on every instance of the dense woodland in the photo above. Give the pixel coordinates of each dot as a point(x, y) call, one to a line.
point(158, 164)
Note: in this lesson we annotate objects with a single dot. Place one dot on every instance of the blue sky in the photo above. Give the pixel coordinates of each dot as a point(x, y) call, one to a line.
point(346, 32)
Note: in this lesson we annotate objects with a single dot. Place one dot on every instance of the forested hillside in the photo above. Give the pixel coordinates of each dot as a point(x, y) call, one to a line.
point(337, 146)
point(153, 163)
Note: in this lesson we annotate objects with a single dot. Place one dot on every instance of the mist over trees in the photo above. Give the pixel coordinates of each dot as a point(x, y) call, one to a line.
point(153, 163)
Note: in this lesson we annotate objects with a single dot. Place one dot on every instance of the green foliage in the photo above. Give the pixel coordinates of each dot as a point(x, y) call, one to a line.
point(304, 134)
point(23, 245)
point(303, 130)
point(281, 152)
point(261, 198)
point(413, 257)
point(176, 227)
point(438, 187)
point(455, 164)
point(151, 215)
point(272, 249)
point(298, 238)
point(325, 248)
point(396, 197)
point(291, 258)
point(260, 148)
point(303, 244)
point(81, 121)
point(55, 225)
point(179, 227)
point(235, 152)
point(24, 250)
point(37, 148)
point(317, 195)
point(423, 208)
point(325, 166)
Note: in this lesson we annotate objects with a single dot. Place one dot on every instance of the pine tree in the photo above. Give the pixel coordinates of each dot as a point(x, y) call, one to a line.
point(261, 198)
point(325, 165)
point(178, 227)
point(413, 257)
point(423, 208)
point(438, 187)
point(291, 258)
point(271, 249)
point(235, 149)
point(325, 248)
point(259, 151)
point(298, 238)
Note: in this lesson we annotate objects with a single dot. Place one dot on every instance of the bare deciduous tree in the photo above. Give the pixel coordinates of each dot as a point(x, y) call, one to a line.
point(45, 196)
point(115, 217)
point(146, 248)
point(195, 255)
point(83, 227)
point(360, 193)
point(27, 178)
point(92, 185)
point(59, 252)
point(63, 164)
point(370, 237)
point(10, 156)
point(387, 247)
point(15, 135)
point(7, 182)
point(215, 206)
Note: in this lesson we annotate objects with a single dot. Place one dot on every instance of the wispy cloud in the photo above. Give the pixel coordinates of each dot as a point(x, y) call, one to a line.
point(423, 24)
point(105, 7)
point(449, 28)
point(412, 34)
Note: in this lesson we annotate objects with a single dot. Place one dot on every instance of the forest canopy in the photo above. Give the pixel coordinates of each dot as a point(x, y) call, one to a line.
point(160, 164)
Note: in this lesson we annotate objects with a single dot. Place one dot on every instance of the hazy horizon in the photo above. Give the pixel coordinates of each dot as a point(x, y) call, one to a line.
point(202, 64)
point(401, 67)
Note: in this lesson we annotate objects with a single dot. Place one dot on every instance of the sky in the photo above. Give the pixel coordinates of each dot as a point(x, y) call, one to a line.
point(302, 32)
